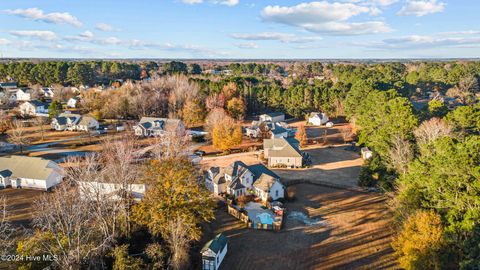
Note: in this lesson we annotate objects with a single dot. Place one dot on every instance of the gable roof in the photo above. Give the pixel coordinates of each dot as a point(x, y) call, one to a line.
point(236, 169)
point(38, 103)
point(27, 167)
point(274, 114)
point(85, 120)
point(259, 169)
point(265, 182)
point(169, 124)
point(216, 244)
point(281, 147)
point(278, 130)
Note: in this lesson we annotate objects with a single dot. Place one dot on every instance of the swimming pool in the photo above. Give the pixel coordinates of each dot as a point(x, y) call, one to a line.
point(265, 218)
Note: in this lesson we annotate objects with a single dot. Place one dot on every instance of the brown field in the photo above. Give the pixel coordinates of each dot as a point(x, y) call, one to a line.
point(355, 236)
point(19, 204)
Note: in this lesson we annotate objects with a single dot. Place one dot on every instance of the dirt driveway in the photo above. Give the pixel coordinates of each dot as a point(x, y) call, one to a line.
point(354, 234)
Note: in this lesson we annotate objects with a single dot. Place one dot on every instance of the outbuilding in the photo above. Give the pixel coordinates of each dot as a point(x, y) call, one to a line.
point(214, 252)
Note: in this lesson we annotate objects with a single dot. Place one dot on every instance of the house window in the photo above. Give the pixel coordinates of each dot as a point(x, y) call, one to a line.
point(276, 193)
point(218, 259)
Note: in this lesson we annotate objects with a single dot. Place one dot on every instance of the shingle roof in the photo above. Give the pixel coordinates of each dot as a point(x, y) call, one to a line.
point(85, 120)
point(274, 114)
point(265, 182)
point(238, 168)
point(280, 147)
point(169, 124)
point(38, 103)
point(279, 130)
point(27, 167)
point(216, 244)
point(259, 169)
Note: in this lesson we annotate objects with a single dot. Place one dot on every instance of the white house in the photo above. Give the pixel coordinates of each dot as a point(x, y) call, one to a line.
point(24, 94)
point(74, 122)
point(152, 126)
point(282, 152)
point(272, 117)
point(72, 102)
point(111, 191)
point(274, 129)
point(29, 172)
point(47, 92)
point(267, 185)
point(214, 252)
point(239, 179)
point(317, 119)
point(34, 108)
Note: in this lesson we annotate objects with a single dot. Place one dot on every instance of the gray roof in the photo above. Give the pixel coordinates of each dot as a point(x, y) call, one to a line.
point(27, 167)
point(274, 114)
point(165, 123)
point(238, 168)
point(216, 244)
point(278, 130)
point(259, 169)
point(281, 147)
point(38, 103)
point(6, 85)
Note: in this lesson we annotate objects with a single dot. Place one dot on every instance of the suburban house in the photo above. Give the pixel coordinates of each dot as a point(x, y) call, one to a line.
point(34, 108)
point(29, 172)
point(8, 85)
point(72, 102)
point(214, 252)
point(112, 191)
point(274, 129)
point(238, 179)
point(281, 152)
point(151, 126)
point(317, 119)
point(24, 94)
point(272, 117)
point(47, 92)
point(74, 122)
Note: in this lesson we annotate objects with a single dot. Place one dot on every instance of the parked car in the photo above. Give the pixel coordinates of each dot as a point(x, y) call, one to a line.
point(199, 153)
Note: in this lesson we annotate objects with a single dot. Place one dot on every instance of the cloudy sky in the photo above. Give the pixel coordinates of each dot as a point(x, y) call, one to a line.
point(240, 28)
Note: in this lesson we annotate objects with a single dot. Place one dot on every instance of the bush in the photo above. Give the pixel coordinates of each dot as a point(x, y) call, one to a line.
point(374, 174)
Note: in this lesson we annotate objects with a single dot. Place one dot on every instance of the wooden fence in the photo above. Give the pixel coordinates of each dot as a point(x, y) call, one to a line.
point(276, 226)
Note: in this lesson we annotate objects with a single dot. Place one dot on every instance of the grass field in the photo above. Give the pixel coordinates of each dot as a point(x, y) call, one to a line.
point(355, 234)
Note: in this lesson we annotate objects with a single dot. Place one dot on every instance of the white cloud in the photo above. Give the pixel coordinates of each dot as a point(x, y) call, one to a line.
point(326, 17)
point(38, 15)
point(43, 35)
point(383, 3)
point(421, 8)
point(4, 41)
point(249, 45)
point(282, 37)
point(192, 2)
point(439, 40)
point(104, 27)
point(230, 3)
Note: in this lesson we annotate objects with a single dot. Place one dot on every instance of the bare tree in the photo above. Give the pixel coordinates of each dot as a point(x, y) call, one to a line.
point(178, 239)
point(41, 122)
point(5, 122)
point(431, 130)
point(400, 154)
point(73, 234)
point(171, 145)
point(18, 135)
point(6, 228)
point(347, 134)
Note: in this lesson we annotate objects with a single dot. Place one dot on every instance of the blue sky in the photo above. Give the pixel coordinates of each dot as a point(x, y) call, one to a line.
point(240, 28)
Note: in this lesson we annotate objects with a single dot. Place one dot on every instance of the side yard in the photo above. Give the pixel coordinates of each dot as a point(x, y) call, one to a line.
point(351, 232)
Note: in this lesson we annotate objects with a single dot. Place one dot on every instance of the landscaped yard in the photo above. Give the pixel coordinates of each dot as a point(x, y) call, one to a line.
point(353, 234)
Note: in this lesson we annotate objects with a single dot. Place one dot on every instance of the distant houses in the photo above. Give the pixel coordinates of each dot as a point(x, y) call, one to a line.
point(240, 179)
point(155, 127)
point(34, 108)
point(74, 122)
point(214, 252)
point(281, 152)
point(29, 172)
point(273, 117)
point(317, 118)
point(93, 191)
point(24, 94)
point(73, 102)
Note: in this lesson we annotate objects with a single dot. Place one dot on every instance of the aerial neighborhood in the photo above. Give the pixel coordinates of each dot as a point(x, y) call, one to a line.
point(205, 164)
